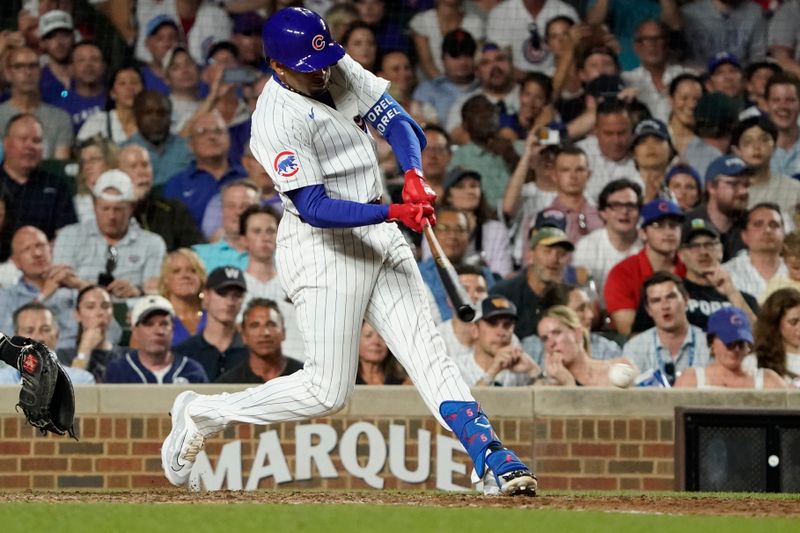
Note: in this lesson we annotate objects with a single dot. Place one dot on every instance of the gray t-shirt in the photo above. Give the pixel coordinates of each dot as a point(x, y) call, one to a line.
point(784, 28)
point(56, 125)
point(742, 31)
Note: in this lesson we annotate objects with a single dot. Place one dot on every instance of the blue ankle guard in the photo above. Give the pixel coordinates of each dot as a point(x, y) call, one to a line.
point(474, 431)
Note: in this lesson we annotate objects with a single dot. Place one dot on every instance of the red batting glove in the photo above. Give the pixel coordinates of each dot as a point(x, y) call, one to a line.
point(412, 215)
point(416, 190)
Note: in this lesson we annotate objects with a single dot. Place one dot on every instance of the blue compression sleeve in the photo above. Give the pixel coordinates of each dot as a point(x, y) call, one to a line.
point(403, 133)
point(317, 209)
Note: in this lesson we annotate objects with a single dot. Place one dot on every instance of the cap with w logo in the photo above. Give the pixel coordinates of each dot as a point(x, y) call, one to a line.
point(227, 276)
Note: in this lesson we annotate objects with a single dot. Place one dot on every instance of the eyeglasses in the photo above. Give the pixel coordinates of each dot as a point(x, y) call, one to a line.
point(708, 246)
point(622, 206)
point(203, 131)
point(111, 259)
point(457, 230)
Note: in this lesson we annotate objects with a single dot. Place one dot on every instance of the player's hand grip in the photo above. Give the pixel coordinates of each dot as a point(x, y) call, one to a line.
point(412, 215)
point(416, 190)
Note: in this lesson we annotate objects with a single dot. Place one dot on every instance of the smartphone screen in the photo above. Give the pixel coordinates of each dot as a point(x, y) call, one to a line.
point(239, 75)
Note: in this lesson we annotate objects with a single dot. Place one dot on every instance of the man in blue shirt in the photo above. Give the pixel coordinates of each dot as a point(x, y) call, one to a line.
point(209, 141)
point(56, 38)
point(86, 93)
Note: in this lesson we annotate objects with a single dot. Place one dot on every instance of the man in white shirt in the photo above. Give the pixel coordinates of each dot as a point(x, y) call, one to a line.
point(763, 235)
point(496, 360)
point(599, 251)
point(608, 148)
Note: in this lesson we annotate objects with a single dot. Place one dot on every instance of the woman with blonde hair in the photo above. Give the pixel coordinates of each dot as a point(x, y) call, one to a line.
point(182, 280)
point(567, 352)
point(95, 155)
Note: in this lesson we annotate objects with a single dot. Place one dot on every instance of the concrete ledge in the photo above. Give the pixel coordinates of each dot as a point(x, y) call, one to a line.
point(406, 401)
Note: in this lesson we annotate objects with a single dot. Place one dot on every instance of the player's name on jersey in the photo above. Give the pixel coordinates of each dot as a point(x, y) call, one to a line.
point(314, 444)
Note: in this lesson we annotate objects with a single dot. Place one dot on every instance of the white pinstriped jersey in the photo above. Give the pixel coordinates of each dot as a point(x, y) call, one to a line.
point(302, 142)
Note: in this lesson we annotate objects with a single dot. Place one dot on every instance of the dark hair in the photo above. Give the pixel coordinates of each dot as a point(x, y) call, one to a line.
point(561, 18)
point(356, 25)
point(262, 303)
point(85, 42)
point(542, 80)
point(256, 210)
point(761, 121)
point(619, 185)
point(754, 67)
point(677, 80)
point(661, 26)
point(557, 293)
point(113, 79)
point(638, 111)
point(763, 205)
point(570, 149)
point(17, 118)
point(465, 269)
point(438, 129)
point(30, 306)
point(598, 49)
point(782, 78)
point(767, 330)
point(664, 277)
point(613, 106)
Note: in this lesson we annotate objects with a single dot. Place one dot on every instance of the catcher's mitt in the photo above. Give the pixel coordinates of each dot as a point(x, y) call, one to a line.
point(47, 397)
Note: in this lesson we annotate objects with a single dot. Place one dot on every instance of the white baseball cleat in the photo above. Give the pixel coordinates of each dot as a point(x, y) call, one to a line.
point(183, 443)
point(518, 483)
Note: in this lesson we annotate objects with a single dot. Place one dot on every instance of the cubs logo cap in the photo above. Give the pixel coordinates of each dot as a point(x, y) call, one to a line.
point(730, 324)
point(300, 39)
point(148, 305)
point(658, 209)
point(720, 58)
point(227, 276)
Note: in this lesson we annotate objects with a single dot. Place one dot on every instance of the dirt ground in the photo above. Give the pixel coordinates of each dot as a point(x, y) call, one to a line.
point(666, 504)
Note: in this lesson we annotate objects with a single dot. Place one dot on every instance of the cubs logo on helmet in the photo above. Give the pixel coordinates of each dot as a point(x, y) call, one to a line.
point(300, 39)
point(318, 42)
point(285, 164)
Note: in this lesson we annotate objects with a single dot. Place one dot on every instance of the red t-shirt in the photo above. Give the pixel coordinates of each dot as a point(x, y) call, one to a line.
point(623, 286)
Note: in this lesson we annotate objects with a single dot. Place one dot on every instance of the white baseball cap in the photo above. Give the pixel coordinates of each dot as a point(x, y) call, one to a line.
point(147, 305)
point(114, 179)
point(55, 20)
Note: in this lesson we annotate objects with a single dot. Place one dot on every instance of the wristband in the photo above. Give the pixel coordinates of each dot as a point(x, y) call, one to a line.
point(82, 357)
point(488, 379)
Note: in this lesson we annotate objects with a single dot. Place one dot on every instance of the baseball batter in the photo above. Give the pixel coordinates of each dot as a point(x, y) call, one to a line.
point(337, 258)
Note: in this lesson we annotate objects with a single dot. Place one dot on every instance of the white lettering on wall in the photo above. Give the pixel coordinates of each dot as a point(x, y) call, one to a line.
point(269, 461)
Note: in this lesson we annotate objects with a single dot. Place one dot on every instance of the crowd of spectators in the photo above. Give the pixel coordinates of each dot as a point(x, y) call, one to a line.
point(617, 186)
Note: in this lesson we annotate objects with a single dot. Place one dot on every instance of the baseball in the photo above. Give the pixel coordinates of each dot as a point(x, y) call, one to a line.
point(621, 375)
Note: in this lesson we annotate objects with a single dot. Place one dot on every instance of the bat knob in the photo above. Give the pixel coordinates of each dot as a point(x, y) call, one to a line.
point(466, 313)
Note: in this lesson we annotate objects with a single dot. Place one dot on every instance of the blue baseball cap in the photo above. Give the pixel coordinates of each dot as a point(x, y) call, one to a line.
point(720, 58)
point(660, 208)
point(156, 22)
point(730, 324)
point(726, 165)
point(650, 127)
point(683, 168)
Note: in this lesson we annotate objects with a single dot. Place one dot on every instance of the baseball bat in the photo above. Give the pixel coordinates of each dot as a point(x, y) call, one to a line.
point(455, 290)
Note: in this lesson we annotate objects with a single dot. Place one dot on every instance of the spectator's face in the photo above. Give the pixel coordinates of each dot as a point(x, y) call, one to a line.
point(224, 304)
point(209, 137)
point(494, 69)
point(622, 211)
point(370, 11)
point(234, 201)
point(162, 41)
point(756, 147)
point(558, 37)
point(597, 65)
point(249, 46)
point(685, 189)
point(262, 332)
point(730, 193)
point(371, 346)
point(95, 309)
point(495, 333)
point(135, 162)
point(614, 135)
point(685, 99)
point(571, 174)
point(87, 64)
point(663, 236)
point(475, 286)
point(436, 156)
point(113, 217)
point(764, 232)
point(651, 152)
point(726, 79)
point(23, 71)
point(757, 84)
point(182, 279)
point(460, 69)
point(23, 145)
point(154, 333)
point(38, 325)
point(792, 263)
point(127, 85)
point(650, 44)
point(397, 69)
point(57, 45)
point(783, 106)
point(153, 118)
point(257, 174)
point(549, 262)
point(31, 252)
point(452, 230)
point(790, 329)
point(361, 47)
point(92, 164)
point(702, 255)
point(182, 74)
point(667, 306)
point(224, 58)
point(262, 231)
point(532, 98)
point(730, 356)
point(466, 194)
point(483, 121)
point(559, 340)
point(580, 302)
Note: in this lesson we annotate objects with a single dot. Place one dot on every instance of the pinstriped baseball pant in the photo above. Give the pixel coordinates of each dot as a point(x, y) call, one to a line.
point(337, 278)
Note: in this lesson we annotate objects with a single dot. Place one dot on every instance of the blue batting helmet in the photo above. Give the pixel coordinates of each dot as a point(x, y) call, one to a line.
point(300, 39)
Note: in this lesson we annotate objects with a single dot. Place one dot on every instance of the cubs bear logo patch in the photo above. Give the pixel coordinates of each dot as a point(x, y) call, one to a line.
point(285, 164)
